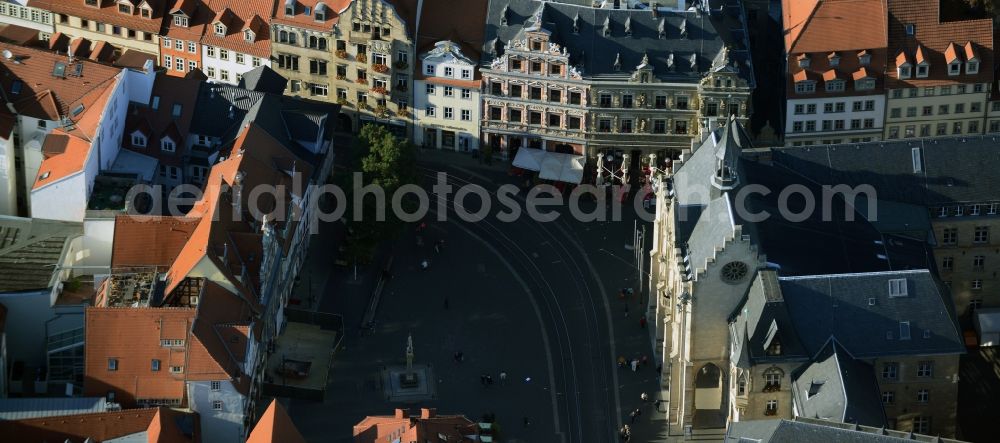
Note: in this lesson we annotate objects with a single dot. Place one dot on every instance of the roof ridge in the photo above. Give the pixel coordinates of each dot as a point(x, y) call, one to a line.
point(854, 274)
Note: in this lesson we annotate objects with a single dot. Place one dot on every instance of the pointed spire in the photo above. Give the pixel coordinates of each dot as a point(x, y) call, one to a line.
point(618, 62)
point(645, 61)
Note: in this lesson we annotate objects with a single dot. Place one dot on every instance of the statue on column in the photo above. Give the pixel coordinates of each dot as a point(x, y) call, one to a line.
point(409, 351)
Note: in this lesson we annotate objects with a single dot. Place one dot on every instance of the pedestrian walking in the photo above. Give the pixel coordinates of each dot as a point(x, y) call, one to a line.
point(638, 412)
point(644, 397)
point(626, 311)
point(425, 264)
point(527, 422)
point(489, 380)
point(635, 364)
point(635, 415)
point(446, 306)
point(642, 322)
point(621, 362)
point(459, 356)
point(503, 378)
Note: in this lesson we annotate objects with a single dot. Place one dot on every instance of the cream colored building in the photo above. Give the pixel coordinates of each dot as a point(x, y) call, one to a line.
point(446, 99)
point(938, 73)
point(372, 66)
point(123, 24)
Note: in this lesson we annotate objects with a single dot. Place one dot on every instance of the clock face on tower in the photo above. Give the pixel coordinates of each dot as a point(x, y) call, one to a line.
point(734, 271)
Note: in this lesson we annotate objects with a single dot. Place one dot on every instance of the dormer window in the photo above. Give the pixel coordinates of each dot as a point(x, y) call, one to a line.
point(911, 29)
point(320, 12)
point(125, 8)
point(834, 60)
point(865, 59)
point(972, 67)
point(576, 24)
point(220, 29)
point(805, 87)
point(864, 84)
point(248, 35)
point(180, 20)
point(628, 27)
point(662, 29)
point(93, 3)
point(167, 145)
point(904, 71)
point(289, 8)
point(923, 70)
point(145, 12)
point(138, 139)
point(804, 61)
point(835, 86)
point(607, 27)
point(503, 16)
point(955, 68)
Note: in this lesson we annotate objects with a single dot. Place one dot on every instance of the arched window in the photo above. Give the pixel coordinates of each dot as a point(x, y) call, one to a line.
point(322, 43)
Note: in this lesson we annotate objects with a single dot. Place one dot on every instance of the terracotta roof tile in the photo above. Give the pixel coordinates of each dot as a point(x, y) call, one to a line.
point(819, 25)
point(32, 73)
point(422, 427)
point(237, 15)
point(70, 161)
point(132, 336)
point(159, 424)
point(952, 53)
point(107, 12)
point(931, 38)
point(862, 73)
point(275, 426)
point(149, 241)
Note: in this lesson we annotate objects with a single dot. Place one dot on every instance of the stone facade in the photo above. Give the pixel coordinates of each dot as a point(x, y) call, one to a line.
point(446, 100)
point(966, 253)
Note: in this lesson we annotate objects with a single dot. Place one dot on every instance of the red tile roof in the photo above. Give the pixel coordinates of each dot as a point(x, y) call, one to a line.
point(32, 70)
point(931, 40)
point(160, 122)
point(833, 25)
point(299, 19)
point(275, 426)
point(159, 424)
point(107, 12)
point(426, 426)
point(132, 336)
point(149, 241)
point(238, 15)
point(70, 159)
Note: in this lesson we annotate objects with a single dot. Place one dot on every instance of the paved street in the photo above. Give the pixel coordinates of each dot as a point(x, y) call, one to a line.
point(536, 300)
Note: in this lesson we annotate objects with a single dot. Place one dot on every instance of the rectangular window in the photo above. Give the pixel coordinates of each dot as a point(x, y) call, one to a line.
point(431, 111)
point(574, 123)
point(981, 234)
point(796, 126)
point(948, 263)
point(112, 364)
point(448, 71)
point(516, 91)
point(240, 58)
point(555, 120)
point(659, 126)
point(166, 42)
point(449, 91)
point(660, 102)
point(959, 108)
point(466, 94)
point(210, 51)
point(977, 284)
point(978, 262)
point(604, 125)
point(922, 425)
point(895, 113)
point(154, 365)
point(949, 236)
point(429, 89)
point(682, 103)
point(449, 113)
point(179, 45)
point(626, 126)
point(942, 129)
point(223, 54)
point(217, 405)
point(923, 396)
point(216, 385)
point(627, 101)
point(192, 47)
point(176, 369)
point(800, 109)
point(179, 64)
point(168, 61)
point(535, 118)
point(680, 127)
point(956, 128)
point(555, 95)
point(888, 397)
point(771, 408)
point(890, 371)
point(810, 125)
point(224, 75)
point(942, 110)
point(466, 115)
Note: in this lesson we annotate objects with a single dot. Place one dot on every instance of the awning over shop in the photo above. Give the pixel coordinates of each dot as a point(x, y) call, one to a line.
point(551, 165)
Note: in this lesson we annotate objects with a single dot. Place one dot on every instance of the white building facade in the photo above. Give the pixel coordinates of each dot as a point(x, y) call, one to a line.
point(28, 17)
point(228, 66)
point(830, 120)
point(446, 100)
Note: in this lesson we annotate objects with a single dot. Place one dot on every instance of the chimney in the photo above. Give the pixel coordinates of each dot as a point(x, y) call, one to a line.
point(428, 413)
point(401, 413)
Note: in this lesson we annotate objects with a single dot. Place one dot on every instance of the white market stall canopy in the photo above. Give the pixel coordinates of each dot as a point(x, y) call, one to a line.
point(551, 165)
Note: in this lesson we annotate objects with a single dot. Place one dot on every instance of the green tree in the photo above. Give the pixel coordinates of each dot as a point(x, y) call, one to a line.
point(389, 163)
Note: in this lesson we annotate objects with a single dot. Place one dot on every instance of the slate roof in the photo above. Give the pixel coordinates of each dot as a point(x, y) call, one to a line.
point(263, 79)
point(838, 387)
point(943, 177)
point(763, 316)
point(592, 51)
point(805, 430)
point(824, 306)
point(161, 425)
point(22, 408)
point(29, 250)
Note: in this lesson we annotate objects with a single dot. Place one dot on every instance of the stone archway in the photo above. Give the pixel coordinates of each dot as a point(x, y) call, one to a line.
point(708, 398)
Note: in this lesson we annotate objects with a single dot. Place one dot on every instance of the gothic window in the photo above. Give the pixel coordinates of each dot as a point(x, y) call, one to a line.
point(733, 272)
